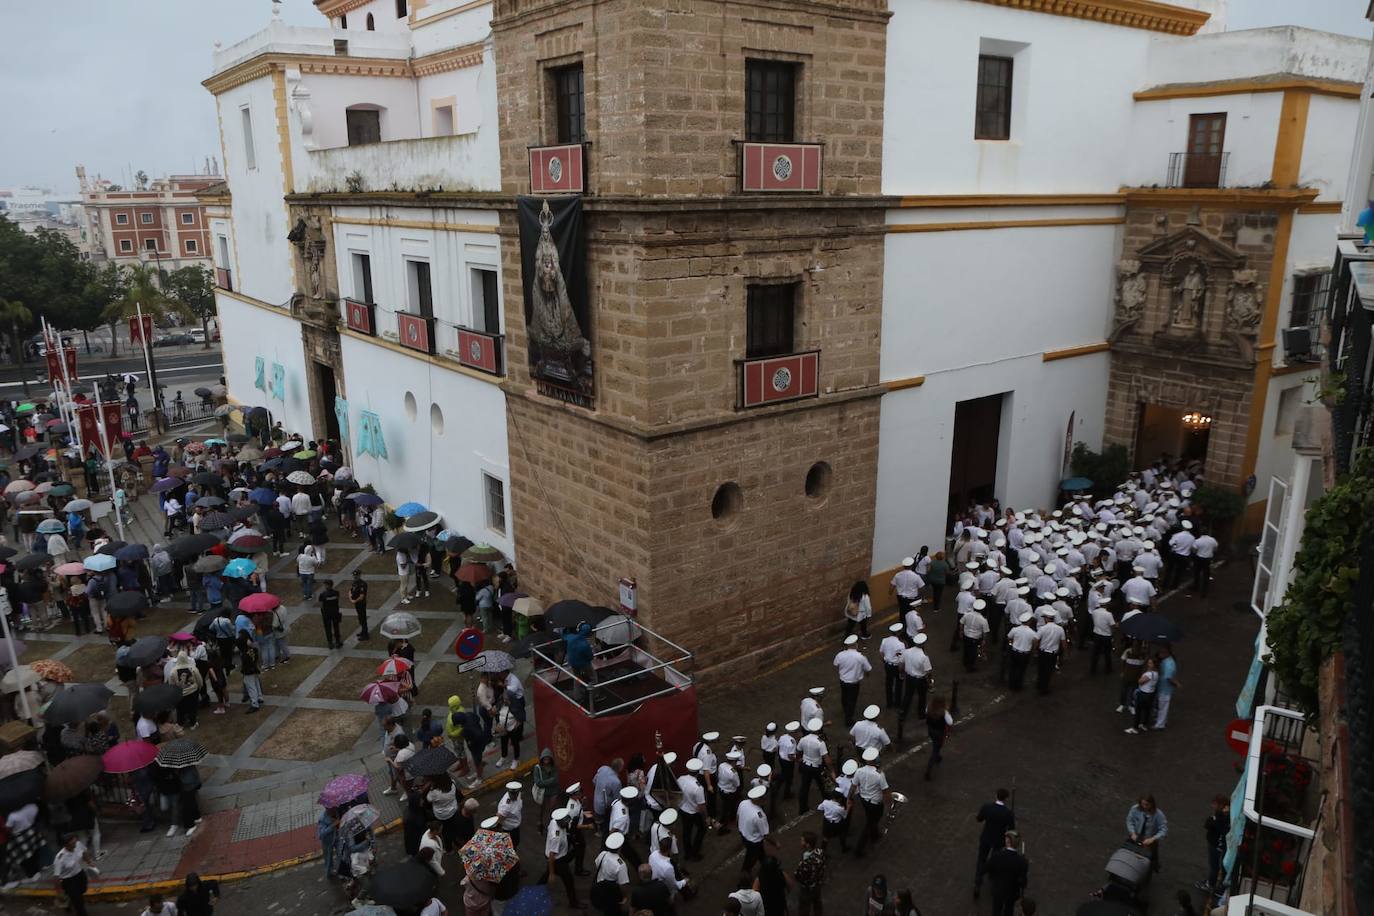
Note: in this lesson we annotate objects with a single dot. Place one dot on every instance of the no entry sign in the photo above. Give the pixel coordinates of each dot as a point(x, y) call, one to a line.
point(469, 643)
point(1238, 735)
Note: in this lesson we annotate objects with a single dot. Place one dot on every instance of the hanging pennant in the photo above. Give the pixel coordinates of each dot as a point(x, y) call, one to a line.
point(341, 415)
point(370, 441)
point(278, 389)
point(260, 374)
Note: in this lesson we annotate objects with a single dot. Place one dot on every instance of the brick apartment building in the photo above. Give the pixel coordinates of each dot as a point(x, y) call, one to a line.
point(163, 224)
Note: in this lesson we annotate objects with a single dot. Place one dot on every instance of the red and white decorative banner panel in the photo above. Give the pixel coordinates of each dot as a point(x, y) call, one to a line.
point(113, 412)
point(139, 332)
point(480, 351)
point(779, 378)
point(558, 169)
point(780, 167)
point(88, 425)
point(360, 317)
point(55, 376)
point(222, 278)
point(416, 331)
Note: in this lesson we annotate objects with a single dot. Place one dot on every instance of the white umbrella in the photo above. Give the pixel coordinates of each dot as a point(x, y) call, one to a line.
point(291, 446)
point(300, 477)
point(245, 532)
point(77, 505)
point(400, 625)
point(617, 630)
point(17, 679)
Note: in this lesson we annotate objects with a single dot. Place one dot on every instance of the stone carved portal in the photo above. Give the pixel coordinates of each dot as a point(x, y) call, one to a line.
point(1187, 280)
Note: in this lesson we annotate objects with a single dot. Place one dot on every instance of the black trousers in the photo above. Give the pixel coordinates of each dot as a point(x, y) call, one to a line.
point(809, 775)
point(873, 819)
point(1004, 901)
point(693, 832)
point(1045, 663)
point(785, 770)
point(190, 809)
point(331, 630)
point(985, 849)
point(562, 867)
point(915, 687)
point(892, 685)
point(361, 611)
point(971, 653)
point(1016, 676)
point(1102, 648)
point(753, 854)
point(1202, 574)
point(75, 889)
point(849, 700)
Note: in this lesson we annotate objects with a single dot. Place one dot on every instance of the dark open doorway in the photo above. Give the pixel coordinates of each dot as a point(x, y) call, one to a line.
point(973, 455)
point(1170, 433)
point(328, 391)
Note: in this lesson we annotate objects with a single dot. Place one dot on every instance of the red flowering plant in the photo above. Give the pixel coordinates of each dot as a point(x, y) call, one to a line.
point(1286, 779)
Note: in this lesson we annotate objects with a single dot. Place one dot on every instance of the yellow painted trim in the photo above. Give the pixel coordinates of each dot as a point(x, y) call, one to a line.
point(1006, 224)
point(1322, 206)
point(449, 59)
point(436, 360)
point(901, 384)
point(1292, 133)
point(263, 64)
point(1050, 356)
point(417, 224)
point(421, 23)
point(1135, 14)
point(1235, 198)
point(1339, 88)
point(332, 8)
point(1283, 232)
point(1012, 200)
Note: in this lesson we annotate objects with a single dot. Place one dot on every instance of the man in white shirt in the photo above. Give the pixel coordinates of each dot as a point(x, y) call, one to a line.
point(1180, 554)
point(1021, 640)
point(907, 584)
point(1103, 625)
point(868, 733)
point(556, 852)
point(1149, 562)
point(727, 787)
point(1049, 638)
point(814, 755)
point(619, 821)
point(753, 826)
point(1204, 549)
point(974, 626)
point(69, 868)
point(787, 763)
point(609, 867)
point(691, 807)
point(1137, 590)
point(871, 786)
point(851, 666)
point(891, 651)
point(661, 830)
point(811, 705)
point(916, 669)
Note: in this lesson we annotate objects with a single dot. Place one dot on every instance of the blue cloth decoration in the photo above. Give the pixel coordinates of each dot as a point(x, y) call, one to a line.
point(278, 389)
point(260, 374)
point(341, 414)
point(370, 441)
point(1366, 222)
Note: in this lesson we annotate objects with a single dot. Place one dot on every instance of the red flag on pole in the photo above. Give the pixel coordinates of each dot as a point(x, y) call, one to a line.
point(141, 331)
point(55, 375)
point(90, 427)
point(114, 423)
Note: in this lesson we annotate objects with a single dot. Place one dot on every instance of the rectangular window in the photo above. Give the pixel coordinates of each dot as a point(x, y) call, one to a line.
point(992, 112)
point(401, 9)
point(121, 219)
point(770, 101)
point(362, 277)
point(443, 121)
point(250, 156)
point(486, 301)
point(771, 319)
point(494, 489)
point(126, 246)
point(223, 251)
point(1206, 136)
point(1309, 293)
point(570, 104)
point(364, 125)
point(150, 244)
point(421, 297)
point(188, 219)
point(192, 247)
point(146, 219)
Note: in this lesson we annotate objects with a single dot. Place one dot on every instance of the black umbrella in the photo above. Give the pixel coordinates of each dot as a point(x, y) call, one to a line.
point(406, 884)
point(183, 548)
point(431, 761)
point(33, 561)
point(421, 521)
point(131, 553)
point(22, 788)
point(539, 639)
point(202, 627)
point(213, 520)
point(182, 752)
point(74, 702)
point(206, 479)
point(1152, 627)
point(256, 412)
point(157, 698)
point(127, 604)
point(570, 612)
point(202, 392)
point(112, 548)
point(406, 540)
point(145, 651)
point(242, 513)
point(6, 551)
point(457, 544)
point(210, 502)
point(237, 438)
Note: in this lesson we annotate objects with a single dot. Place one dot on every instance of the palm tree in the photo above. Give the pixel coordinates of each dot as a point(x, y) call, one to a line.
point(14, 315)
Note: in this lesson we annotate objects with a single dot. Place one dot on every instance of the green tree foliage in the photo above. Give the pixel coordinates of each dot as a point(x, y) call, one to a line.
point(143, 292)
point(1306, 628)
point(193, 287)
point(41, 276)
point(1106, 469)
point(105, 285)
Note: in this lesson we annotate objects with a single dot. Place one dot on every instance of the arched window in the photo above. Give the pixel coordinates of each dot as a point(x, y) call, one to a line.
point(400, 9)
point(343, 21)
point(371, 26)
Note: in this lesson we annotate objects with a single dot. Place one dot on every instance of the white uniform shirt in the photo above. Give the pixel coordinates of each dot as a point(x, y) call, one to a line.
point(891, 649)
point(1016, 607)
point(619, 816)
point(813, 750)
point(810, 709)
point(914, 623)
point(1103, 621)
point(707, 758)
point(1205, 547)
point(656, 834)
point(1021, 637)
point(868, 734)
point(1050, 637)
point(1138, 590)
point(975, 625)
point(753, 823)
point(727, 777)
point(787, 747)
point(555, 841)
point(852, 666)
point(1182, 544)
point(768, 744)
point(907, 584)
point(662, 868)
point(831, 810)
point(915, 662)
point(1150, 562)
point(871, 783)
point(610, 867)
point(963, 602)
point(987, 579)
point(511, 811)
point(693, 795)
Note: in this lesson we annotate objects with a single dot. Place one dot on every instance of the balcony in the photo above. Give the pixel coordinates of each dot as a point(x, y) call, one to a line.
point(774, 379)
point(480, 350)
point(224, 278)
point(770, 168)
point(280, 38)
point(558, 169)
point(360, 316)
point(415, 331)
point(463, 163)
point(1197, 170)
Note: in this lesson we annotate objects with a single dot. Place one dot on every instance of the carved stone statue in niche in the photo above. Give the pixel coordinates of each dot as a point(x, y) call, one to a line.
point(1132, 288)
point(308, 237)
point(1243, 304)
point(1189, 298)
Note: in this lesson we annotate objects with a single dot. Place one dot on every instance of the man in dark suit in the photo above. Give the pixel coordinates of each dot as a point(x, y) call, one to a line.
point(996, 819)
point(1007, 872)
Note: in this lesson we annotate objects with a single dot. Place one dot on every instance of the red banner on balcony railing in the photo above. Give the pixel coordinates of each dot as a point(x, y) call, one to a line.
point(558, 169)
point(416, 331)
point(222, 279)
point(779, 378)
point(780, 167)
point(360, 317)
point(480, 351)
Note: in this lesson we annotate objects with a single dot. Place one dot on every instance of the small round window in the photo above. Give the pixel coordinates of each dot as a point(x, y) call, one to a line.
point(727, 502)
point(411, 407)
point(436, 419)
point(818, 480)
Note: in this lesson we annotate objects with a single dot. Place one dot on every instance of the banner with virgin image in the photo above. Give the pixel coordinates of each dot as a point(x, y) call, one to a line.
point(553, 262)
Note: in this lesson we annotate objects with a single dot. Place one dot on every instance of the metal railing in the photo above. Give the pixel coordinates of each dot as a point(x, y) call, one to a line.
point(1197, 170)
point(1358, 648)
point(593, 695)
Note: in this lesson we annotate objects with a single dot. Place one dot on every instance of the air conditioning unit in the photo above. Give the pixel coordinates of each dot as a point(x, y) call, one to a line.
point(1297, 345)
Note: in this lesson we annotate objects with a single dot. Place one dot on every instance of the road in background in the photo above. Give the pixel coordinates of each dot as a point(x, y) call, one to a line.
point(183, 368)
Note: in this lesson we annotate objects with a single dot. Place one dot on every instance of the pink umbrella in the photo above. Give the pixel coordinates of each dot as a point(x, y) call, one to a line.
point(70, 569)
point(393, 667)
point(182, 636)
point(342, 789)
point(259, 602)
point(379, 693)
point(128, 756)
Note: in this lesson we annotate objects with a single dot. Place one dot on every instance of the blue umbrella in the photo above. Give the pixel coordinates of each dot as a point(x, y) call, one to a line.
point(132, 553)
point(406, 510)
point(51, 526)
point(1075, 484)
point(216, 442)
point(99, 562)
point(270, 464)
point(365, 499)
point(168, 483)
point(241, 568)
point(263, 496)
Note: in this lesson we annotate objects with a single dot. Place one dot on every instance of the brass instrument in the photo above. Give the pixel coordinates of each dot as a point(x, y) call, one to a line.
point(898, 799)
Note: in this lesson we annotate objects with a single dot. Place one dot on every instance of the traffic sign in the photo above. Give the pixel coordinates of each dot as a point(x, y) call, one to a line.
point(469, 643)
point(1238, 735)
point(470, 664)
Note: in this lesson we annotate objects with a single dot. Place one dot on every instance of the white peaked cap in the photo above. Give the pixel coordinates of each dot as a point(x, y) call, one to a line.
point(490, 823)
point(758, 792)
point(870, 754)
point(871, 711)
point(614, 841)
point(979, 604)
point(908, 561)
point(851, 639)
point(920, 639)
point(668, 818)
point(694, 765)
point(815, 724)
point(850, 767)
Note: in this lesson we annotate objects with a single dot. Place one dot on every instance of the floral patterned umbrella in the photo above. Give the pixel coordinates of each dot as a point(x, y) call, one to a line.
point(343, 789)
point(55, 671)
point(489, 855)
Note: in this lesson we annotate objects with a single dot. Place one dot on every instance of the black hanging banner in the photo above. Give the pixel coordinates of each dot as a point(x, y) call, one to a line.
point(553, 261)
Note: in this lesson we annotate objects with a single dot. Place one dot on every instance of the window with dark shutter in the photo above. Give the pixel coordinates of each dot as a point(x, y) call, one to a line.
point(992, 115)
point(570, 104)
point(770, 101)
point(1309, 293)
point(771, 319)
point(364, 125)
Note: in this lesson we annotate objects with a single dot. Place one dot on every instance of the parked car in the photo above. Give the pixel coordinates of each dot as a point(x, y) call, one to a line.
point(197, 335)
point(179, 339)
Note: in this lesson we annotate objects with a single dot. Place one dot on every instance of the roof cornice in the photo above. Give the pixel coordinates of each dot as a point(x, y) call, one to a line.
point(1135, 14)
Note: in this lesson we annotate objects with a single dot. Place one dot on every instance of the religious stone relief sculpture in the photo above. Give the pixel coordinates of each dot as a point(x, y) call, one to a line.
point(308, 237)
point(1188, 294)
point(1243, 305)
point(1132, 288)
